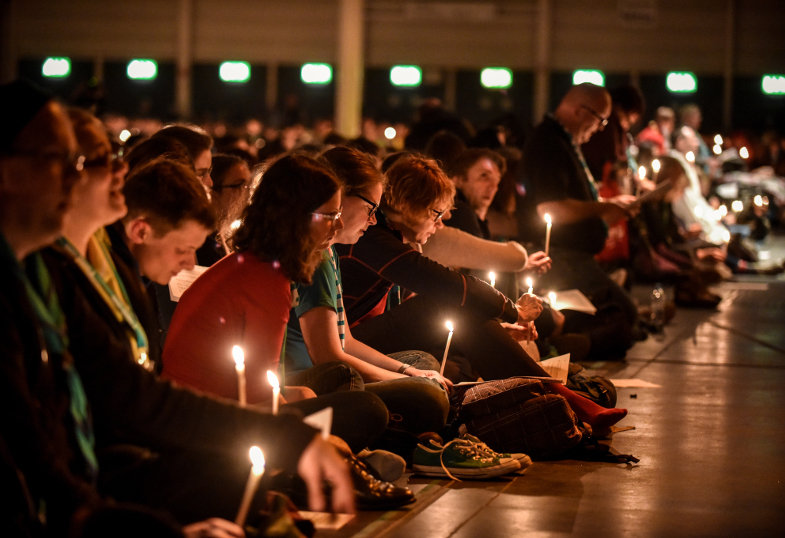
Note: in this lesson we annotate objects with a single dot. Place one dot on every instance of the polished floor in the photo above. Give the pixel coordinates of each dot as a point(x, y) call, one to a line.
point(710, 437)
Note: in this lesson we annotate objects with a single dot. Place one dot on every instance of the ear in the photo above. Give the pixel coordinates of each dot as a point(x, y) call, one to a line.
point(137, 230)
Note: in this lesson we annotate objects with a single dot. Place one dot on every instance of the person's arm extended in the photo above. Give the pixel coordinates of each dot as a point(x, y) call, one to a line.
point(455, 248)
point(319, 326)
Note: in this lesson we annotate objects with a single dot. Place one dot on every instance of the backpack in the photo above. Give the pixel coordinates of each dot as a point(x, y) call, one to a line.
point(596, 388)
point(517, 415)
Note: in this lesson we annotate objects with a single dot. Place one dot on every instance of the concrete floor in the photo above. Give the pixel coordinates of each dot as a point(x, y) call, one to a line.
point(711, 443)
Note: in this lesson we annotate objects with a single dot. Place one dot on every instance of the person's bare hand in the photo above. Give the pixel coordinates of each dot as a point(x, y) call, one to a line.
point(521, 333)
point(539, 262)
point(213, 528)
point(529, 308)
point(319, 463)
point(430, 374)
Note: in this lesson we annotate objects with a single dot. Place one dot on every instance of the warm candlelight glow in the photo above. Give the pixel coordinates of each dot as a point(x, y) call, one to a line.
point(744, 153)
point(272, 379)
point(239, 365)
point(492, 277)
point(718, 139)
point(239, 357)
point(737, 206)
point(235, 225)
point(690, 156)
point(717, 149)
point(257, 470)
point(552, 297)
point(529, 284)
point(548, 224)
point(450, 328)
point(641, 172)
point(655, 166)
point(257, 460)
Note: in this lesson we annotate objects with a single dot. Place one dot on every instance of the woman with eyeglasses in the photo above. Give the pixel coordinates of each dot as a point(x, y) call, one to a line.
point(321, 352)
point(245, 298)
point(231, 193)
point(417, 195)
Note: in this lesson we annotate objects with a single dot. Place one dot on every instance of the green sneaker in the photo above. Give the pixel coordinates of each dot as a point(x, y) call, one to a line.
point(523, 460)
point(460, 458)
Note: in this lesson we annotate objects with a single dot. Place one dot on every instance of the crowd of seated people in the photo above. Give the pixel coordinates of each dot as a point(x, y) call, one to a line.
point(333, 264)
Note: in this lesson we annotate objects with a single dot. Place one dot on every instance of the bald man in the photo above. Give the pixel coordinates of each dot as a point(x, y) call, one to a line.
point(559, 183)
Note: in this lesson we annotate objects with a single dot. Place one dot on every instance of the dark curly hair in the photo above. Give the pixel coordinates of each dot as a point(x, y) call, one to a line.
point(276, 225)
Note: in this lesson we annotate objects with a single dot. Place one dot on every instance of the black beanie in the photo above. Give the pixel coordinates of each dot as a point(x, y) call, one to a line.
point(20, 101)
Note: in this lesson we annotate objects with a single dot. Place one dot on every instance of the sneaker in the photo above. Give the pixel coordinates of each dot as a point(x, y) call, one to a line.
point(460, 458)
point(523, 460)
point(384, 465)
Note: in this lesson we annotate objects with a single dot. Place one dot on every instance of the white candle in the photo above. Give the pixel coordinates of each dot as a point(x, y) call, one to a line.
point(239, 365)
point(530, 284)
point(641, 172)
point(257, 470)
point(272, 379)
point(447, 347)
point(492, 276)
point(655, 167)
point(548, 225)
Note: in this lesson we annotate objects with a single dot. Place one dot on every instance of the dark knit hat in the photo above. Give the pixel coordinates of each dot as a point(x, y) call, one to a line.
point(20, 101)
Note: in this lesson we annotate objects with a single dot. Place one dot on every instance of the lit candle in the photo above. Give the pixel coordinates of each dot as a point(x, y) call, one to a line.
point(239, 365)
point(737, 206)
point(492, 276)
point(552, 298)
point(447, 347)
point(690, 156)
point(530, 284)
point(257, 470)
point(655, 167)
point(744, 153)
point(272, 379)
point(641, 173)
point(548, 225)
point(718, 139)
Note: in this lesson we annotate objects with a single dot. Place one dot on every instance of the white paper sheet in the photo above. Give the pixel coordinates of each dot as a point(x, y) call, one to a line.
point(321, 420)
point(572, 300)
point(557, 367)
point(183, 280)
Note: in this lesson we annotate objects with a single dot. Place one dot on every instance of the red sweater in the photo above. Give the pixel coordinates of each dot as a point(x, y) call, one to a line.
point(240, 300)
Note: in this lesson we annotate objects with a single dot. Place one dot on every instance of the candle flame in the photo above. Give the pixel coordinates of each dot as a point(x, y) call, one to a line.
point(655, 165)
point(492, 275)
point(449, 326)
point(239, 356)
point(690, 156)
point(551, 297)
point(272, 379)
point(257, 460)
point(737, 206)
point(744, 153)
point(529, 282)
point(235, 225)
point(717, 149)
point(718, 139)
point(547, 218)
point(642, 172)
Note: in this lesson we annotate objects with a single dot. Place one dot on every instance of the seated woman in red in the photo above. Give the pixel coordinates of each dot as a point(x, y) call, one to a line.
point(245, 298)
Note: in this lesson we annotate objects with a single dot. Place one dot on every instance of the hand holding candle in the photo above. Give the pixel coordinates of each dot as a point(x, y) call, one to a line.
point(272, 379)
point(239, 365)
point(257, 470)
point(447, 347)
point(529, 308)
point(548, 224)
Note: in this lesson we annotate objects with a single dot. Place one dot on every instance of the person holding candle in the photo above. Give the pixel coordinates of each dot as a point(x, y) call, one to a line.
point(416, 196)
point(408, 382)
point(70, 383)
point(559, 182)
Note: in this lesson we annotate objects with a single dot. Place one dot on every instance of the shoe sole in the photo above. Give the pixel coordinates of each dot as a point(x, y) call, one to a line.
point(476, 474)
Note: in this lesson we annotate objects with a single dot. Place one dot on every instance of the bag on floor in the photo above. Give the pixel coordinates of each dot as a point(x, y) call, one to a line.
point(596, 388)
point(518, 415)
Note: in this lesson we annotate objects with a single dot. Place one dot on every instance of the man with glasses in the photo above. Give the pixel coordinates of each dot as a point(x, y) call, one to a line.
point(558, 182)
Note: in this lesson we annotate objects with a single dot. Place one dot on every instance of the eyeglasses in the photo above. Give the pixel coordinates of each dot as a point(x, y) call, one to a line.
point(74, 161)
point(374, 205)
point(437, 215)
point(331, 217)
point(105, 160)
point(603, 121)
